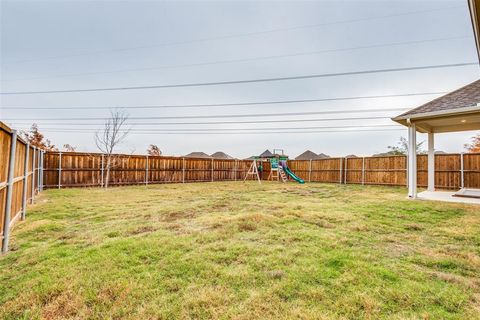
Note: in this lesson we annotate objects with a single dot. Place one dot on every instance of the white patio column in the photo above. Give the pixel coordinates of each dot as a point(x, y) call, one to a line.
point(431, 162)
point(412, 161)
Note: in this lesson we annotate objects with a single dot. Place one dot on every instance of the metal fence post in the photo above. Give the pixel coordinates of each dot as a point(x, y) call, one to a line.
point(363, 170)
point(146, 171)
point(25, 181)
point(406, 172)
point(345, 173)
point(41, 170)
point(235, 170)
point(212, 171)
point(60, 170)
point(39, 158)
point(462, 172)
point(183, 170)
point(33, 173)
point(8, 205)
point(101, 172)
point(340, 174)
point(310, 171)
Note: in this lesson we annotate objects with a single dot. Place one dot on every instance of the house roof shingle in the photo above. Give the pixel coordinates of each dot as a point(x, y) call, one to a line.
point(221, 155)
point(197, 155)
point(310, 155)
point(266, 154)
point(307, 155)
point(467, 96)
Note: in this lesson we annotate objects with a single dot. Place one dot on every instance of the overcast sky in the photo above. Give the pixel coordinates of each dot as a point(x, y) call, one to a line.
point(61, 45)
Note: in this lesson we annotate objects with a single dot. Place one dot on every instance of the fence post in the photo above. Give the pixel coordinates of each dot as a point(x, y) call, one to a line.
point(183, 170)
point(212, 171)
point(310, 171)
point(235, 170)
point(363, 170)
point(41, 170)
point(340, 174)
point(345, 173)
point(8, 205)
point(25, 181)
point(39, 157)
point(101, 172)
point(60, 170)
point(462, 171)
point(33, 174)
point(146, 171)
point(406, 172)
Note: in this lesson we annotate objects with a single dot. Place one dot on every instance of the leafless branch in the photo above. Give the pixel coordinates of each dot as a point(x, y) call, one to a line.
point(107, 139)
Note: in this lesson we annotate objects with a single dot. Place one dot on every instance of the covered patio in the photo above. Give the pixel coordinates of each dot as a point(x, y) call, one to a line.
point(453, 112)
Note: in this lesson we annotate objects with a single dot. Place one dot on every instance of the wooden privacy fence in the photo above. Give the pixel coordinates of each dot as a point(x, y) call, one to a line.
point(72, 169)
point(20, 179)
point(67, 169)
point(452, 171)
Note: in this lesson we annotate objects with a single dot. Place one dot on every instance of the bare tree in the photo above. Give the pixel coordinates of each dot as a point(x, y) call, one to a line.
point(154, 150)
point(107, 139)
point(69, 148)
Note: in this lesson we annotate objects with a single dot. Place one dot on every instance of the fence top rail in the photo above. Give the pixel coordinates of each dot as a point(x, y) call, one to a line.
point(142, 156)
point(9, 130)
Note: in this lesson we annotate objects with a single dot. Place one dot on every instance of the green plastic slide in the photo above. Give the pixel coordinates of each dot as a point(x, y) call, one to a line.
point(292, 175)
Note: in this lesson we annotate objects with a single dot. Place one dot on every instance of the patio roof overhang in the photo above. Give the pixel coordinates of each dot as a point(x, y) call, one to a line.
point(459, 119)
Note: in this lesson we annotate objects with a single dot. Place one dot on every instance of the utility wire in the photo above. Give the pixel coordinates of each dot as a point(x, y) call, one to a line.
point(237, 35)
point(237, 60)
point(233, 129)
point(256, 115)
point(203, 84)
point(235, 133)
point(253, 103)
point(216, 122)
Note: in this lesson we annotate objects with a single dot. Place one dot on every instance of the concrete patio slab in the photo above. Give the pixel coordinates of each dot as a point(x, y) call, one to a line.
point(446, 196)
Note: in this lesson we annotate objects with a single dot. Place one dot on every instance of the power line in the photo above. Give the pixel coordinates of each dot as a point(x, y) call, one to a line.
point(232, 104)
point(256, 115)
point(227, 122)
point(218, 122)
point(237, 35)
point(203, 84)
point(238, 60)
point(235, 133)
point(236, 129)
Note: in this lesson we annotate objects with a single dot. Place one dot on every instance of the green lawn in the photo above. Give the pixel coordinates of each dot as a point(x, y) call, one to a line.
point(242, 251)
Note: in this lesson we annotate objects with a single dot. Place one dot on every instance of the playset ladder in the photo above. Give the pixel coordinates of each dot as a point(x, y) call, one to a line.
point(274, 175)
point(282, 175)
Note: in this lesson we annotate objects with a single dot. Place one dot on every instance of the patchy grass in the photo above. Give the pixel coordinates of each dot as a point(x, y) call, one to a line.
point(242, 251)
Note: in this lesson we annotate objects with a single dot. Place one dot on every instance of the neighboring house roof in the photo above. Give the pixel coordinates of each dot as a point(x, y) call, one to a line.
point(266, 154)
point(351, 156)
point(474, 6)
point(221, 155)
point(384, 154)
point(465, 97)
point(197, 155)
point(310, 155)
point(307, 155)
